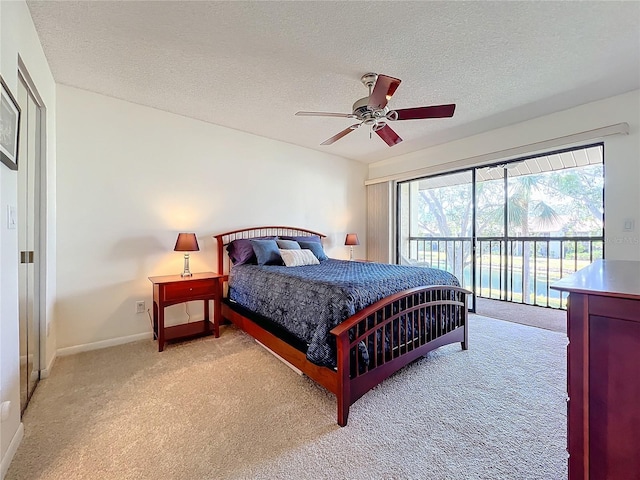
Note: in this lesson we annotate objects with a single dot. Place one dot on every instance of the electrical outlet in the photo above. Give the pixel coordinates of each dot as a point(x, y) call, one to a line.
point(140, 306)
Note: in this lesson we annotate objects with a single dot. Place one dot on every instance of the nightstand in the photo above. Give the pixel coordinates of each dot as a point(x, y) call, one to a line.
point(172, 289)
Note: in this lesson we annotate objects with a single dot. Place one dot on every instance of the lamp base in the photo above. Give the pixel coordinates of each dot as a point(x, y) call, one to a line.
point(187, 272)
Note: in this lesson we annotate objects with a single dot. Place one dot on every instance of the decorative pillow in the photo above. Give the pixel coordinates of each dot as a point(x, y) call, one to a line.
point(288, 244)
point(266, 252)
point(241, 250)
point(315, 247)
point(297, 258)
point(303, 238)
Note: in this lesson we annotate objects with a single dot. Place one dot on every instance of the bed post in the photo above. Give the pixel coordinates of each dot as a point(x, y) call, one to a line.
point(220, 245)
point(465, 319)
point(344, 387)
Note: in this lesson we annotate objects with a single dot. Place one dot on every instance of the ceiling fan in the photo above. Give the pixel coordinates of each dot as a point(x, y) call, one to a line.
point(374, 112)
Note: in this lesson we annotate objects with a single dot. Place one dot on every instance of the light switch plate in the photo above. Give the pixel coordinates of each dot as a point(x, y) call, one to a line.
point(629, 225)
point(12, 215)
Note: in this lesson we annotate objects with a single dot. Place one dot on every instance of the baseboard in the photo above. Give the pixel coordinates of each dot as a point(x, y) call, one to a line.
point(45, 372)
point(24, 359)
point(11, 451)
point(103, 344)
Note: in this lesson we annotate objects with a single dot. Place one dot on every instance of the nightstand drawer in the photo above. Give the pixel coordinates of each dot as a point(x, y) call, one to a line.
point(192, 288)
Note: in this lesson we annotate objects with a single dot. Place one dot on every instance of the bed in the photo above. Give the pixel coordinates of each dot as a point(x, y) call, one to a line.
point(346, 325)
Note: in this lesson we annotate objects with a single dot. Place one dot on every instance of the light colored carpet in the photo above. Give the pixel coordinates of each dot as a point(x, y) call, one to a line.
point(226, 409)
point(541, 317)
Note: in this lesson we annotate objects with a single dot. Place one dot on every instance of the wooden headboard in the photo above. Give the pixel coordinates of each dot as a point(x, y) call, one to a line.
point(223, 239)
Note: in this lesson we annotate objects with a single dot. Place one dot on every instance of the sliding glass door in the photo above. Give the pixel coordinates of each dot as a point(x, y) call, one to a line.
point(509, 230)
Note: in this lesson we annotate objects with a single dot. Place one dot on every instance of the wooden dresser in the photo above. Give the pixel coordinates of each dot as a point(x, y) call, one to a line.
point(603, 380)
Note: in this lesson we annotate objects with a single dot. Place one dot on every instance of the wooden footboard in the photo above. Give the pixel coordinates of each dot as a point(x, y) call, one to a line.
point(394, 332)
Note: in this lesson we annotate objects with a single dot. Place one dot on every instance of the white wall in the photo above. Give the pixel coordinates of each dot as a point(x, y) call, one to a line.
point(622, 159)
point(18, 39)
point(131, 177)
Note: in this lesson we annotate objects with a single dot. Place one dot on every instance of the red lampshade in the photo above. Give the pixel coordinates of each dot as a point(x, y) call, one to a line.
point(186, 242)
point(352, 239)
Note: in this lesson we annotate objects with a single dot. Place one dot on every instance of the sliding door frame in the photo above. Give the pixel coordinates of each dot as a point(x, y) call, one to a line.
point(505, 236)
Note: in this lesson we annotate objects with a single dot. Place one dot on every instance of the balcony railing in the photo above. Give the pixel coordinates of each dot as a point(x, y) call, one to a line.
point(515, 269)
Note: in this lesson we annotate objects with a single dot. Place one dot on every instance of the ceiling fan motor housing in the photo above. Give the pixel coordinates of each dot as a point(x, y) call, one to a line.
point(377, 118)
point(361, 108)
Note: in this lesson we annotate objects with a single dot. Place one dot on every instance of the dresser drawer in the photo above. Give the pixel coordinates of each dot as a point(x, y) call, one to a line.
point(192, 288)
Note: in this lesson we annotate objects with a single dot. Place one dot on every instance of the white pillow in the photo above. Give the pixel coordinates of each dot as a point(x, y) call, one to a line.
point(297, 258)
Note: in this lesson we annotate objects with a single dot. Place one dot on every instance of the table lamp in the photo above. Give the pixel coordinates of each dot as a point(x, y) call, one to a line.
point(186, 242)
point(351, 240)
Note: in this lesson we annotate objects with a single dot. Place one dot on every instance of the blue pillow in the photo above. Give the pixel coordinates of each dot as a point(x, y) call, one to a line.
point(315, 247)
point(241, 250)
point(266, 252)
point(288, 244)
point(303, 238)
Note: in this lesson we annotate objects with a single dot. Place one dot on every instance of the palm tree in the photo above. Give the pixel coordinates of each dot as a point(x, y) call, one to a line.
point(523, 212)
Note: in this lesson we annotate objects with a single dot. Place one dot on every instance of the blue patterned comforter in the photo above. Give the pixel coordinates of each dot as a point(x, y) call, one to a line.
point(309, 301)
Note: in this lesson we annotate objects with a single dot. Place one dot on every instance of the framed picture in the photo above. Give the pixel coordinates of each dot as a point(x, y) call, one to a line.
point(9, 127)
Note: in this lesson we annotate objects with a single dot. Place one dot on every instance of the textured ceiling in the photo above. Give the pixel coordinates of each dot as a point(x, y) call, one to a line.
point(251, 65)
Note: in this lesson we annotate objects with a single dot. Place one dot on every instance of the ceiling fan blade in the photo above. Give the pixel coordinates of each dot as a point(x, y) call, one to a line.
point(383, 90)
point(325, 114)
point(389, 136)
point(434, 111)
point(338, 136)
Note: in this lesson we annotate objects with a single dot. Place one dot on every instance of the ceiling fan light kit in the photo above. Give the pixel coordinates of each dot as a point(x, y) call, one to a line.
point(373, 111)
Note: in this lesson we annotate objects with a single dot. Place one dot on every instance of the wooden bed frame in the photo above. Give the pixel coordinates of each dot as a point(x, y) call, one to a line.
point(352, 378)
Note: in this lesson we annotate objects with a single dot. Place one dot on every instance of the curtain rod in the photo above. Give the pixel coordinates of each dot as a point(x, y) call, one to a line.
point(616, 129)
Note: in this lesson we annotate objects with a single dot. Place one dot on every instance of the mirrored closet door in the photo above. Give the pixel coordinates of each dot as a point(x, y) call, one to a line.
point(28, 215)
